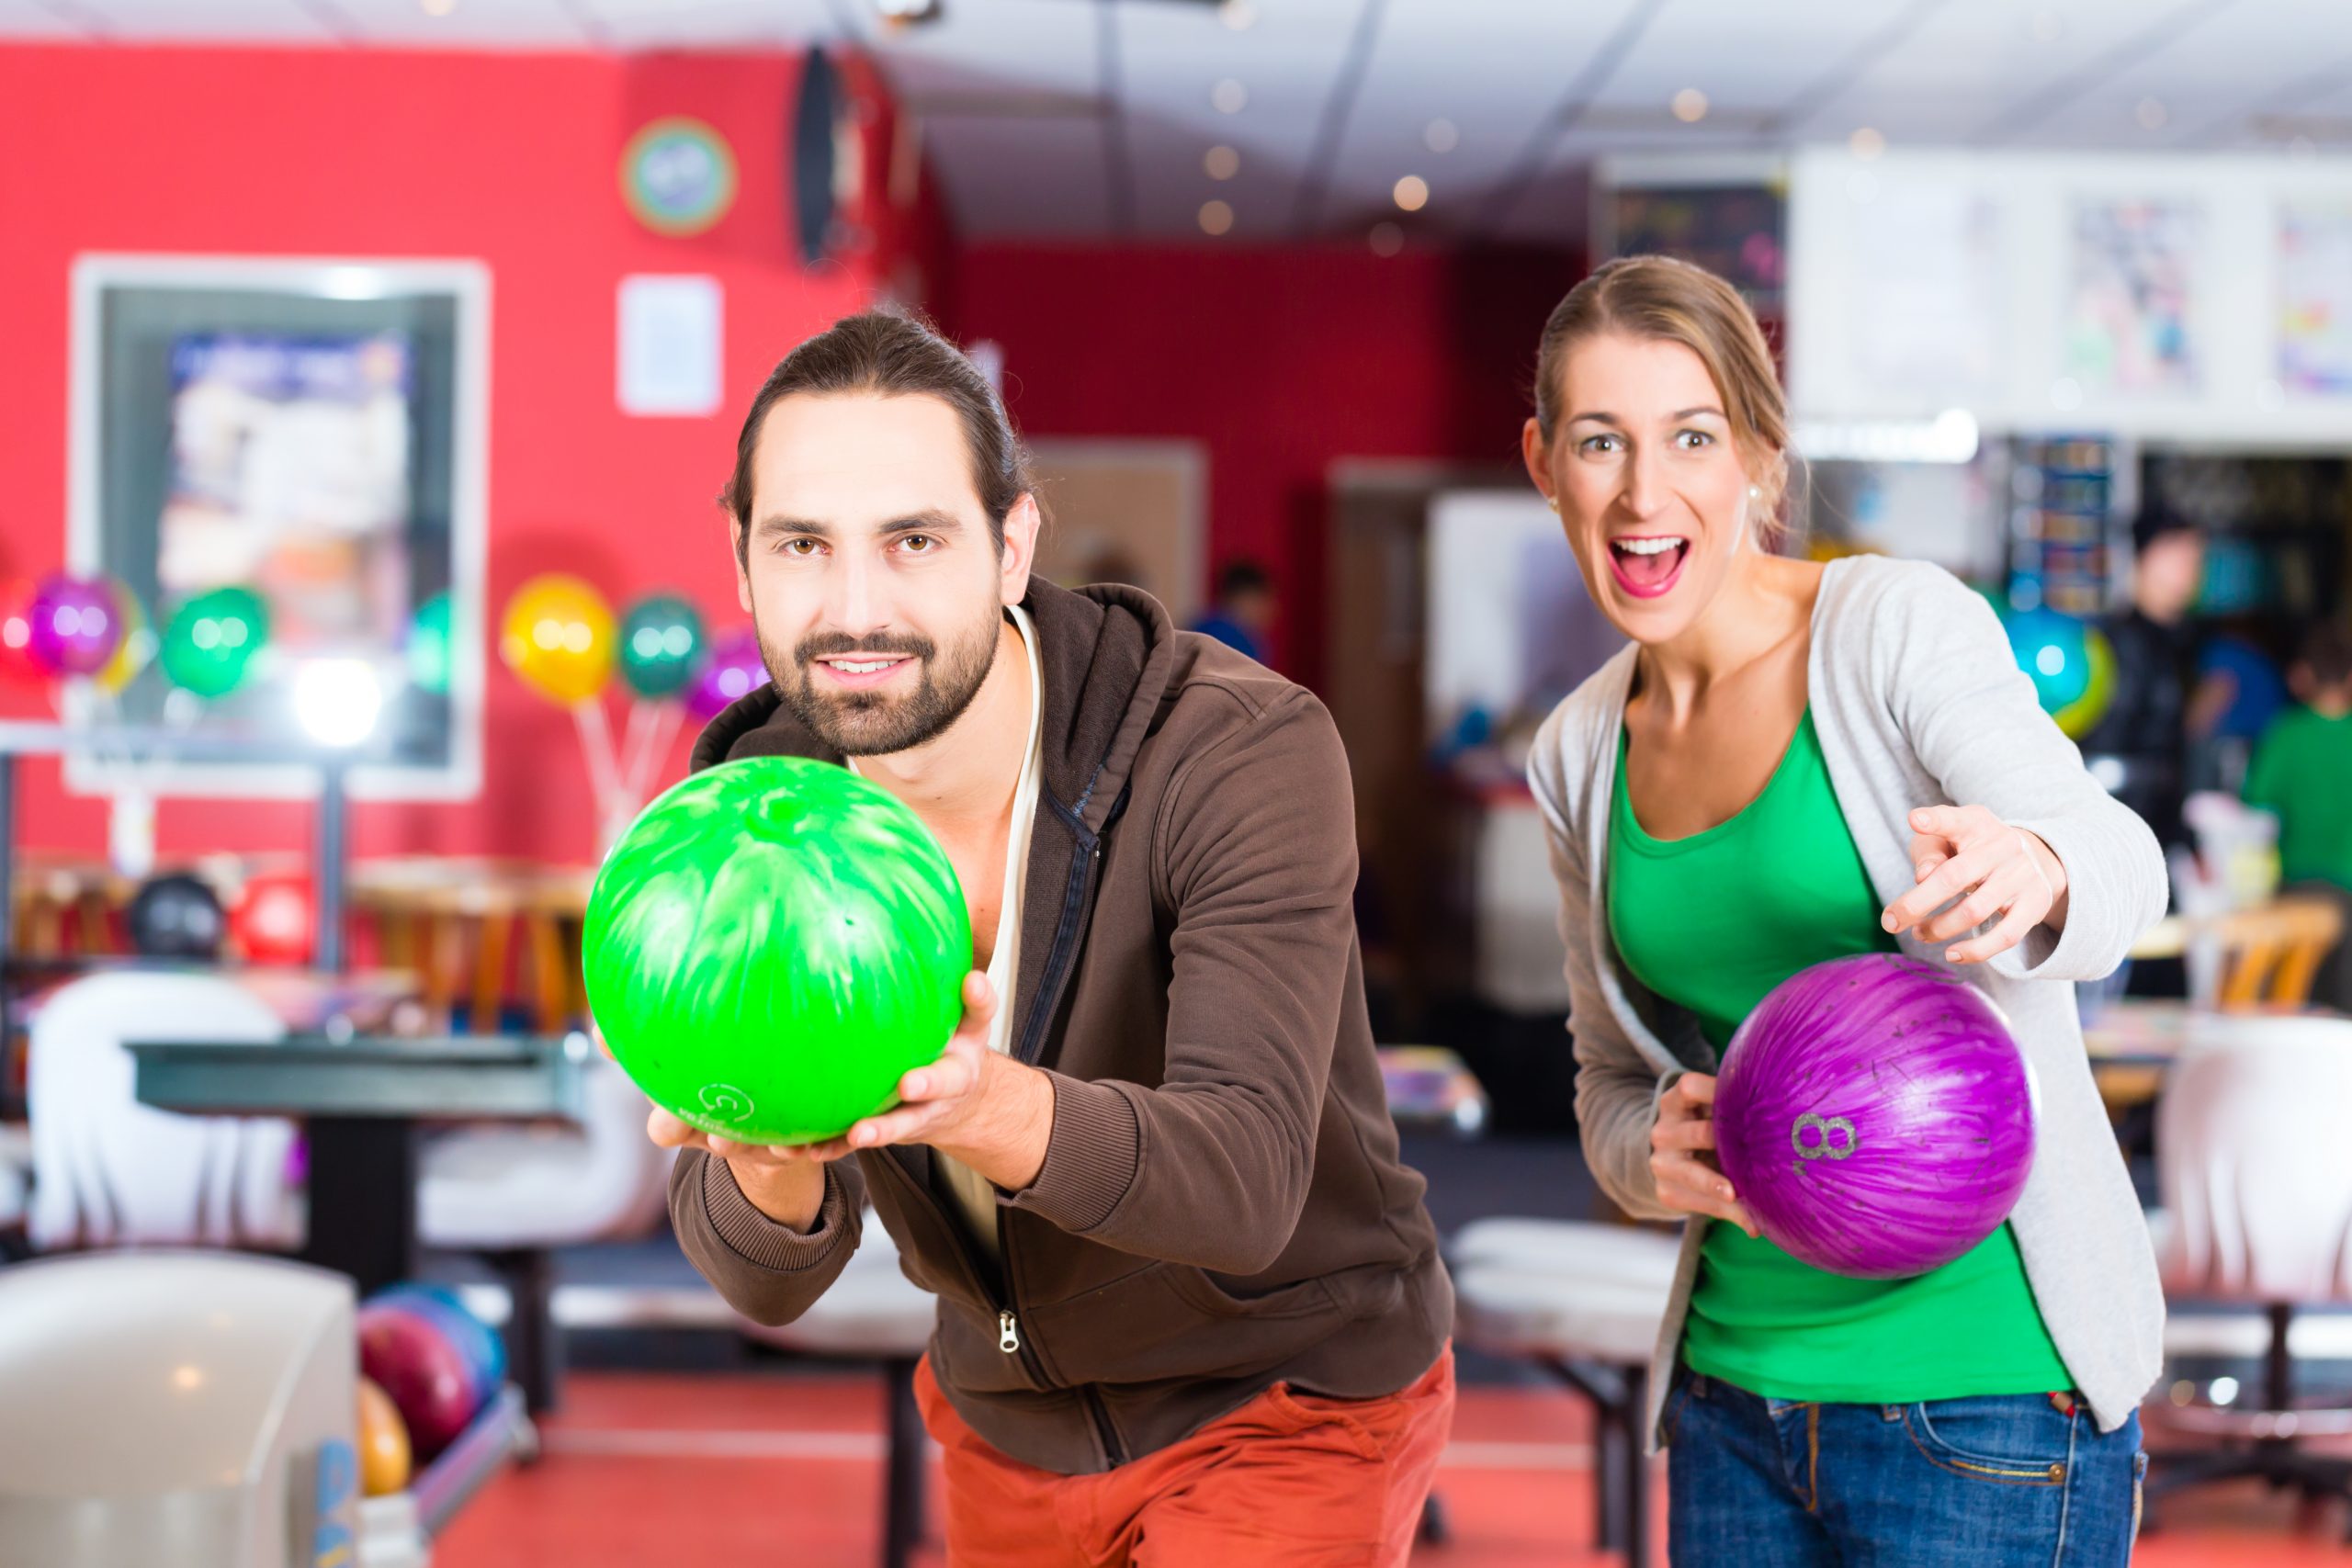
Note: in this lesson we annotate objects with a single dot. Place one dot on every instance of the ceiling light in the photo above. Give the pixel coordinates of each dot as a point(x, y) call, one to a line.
point(1440, 136)
point(1238, 14)
point(1216, 217)
point(1229, 96)
point(1689, 105)
point(1221, 163)
point(1867, 142)
point(437, 7)
point(1413, 193)
point(1387, 239)
point(2151, 114)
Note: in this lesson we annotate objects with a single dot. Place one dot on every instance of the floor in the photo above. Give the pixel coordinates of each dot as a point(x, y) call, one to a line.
point(762, 1468)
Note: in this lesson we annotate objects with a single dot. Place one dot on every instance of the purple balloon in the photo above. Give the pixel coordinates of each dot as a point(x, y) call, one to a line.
point(1875, 1116)
point(76, 625)
point(733, 670)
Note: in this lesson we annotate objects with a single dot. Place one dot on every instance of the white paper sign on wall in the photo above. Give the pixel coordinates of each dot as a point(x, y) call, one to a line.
point(671, 359)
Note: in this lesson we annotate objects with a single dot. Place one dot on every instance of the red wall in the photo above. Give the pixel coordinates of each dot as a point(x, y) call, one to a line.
point(1281, 360)
point(505, 158)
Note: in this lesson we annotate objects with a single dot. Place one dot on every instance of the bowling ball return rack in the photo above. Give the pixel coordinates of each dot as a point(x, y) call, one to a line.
point(362, 1097)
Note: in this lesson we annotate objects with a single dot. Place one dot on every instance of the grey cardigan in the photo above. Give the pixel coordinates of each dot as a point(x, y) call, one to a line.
point(1917, 702)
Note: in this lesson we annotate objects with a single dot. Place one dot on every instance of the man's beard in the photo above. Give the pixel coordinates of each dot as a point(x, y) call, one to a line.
point(876, 723)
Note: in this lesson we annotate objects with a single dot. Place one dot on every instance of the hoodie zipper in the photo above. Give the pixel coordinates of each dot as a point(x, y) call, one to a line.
point(1009, 1341)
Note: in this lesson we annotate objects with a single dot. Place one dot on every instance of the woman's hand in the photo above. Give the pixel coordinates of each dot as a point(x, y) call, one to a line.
point(1683, 1159)
point(1969, 859)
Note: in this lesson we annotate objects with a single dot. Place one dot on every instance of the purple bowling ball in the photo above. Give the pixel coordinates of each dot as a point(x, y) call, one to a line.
point(76, 625)
point(1875, 1116)
point(734, 670)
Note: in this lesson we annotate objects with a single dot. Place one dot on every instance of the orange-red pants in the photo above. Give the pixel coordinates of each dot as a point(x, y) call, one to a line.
point(1290, 1479)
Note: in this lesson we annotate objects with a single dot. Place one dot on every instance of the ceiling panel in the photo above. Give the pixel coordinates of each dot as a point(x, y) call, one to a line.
point(1972, 65)
point(23, 19)
point(1010, 49)
point(2229, 64)
point(1493, 74)
point(207, 21)
point(1170, 183)
point(1022, 176)
point(708, 24)
point(1748, 59)
point(470, 24)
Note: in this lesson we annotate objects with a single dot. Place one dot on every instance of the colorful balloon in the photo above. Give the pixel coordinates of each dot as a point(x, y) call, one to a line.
point(661, 643)
point(2079, 718)
point(559, 637)
point(735, 669)
point(209, 645)
point(76, 625)
point(428, 645)
point(2053, 650)
point(16, 662)
point(772, 946)
point(137, 648)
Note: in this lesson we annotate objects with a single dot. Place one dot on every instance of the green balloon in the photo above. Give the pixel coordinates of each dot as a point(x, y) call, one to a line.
point(661, 645)
point(772, 946)
point(212, 639)
point(428, 645)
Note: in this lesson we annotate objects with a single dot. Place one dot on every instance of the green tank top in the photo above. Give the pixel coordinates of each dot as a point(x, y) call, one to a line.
point(1712, 922)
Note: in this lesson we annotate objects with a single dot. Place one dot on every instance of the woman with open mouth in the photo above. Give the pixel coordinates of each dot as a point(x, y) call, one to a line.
point(1794, 762)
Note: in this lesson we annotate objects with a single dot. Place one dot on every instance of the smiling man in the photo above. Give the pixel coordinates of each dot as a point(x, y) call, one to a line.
point(1191, 1308)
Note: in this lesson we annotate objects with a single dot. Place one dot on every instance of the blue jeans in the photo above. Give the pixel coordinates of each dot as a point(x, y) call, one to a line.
point(2001, 1481)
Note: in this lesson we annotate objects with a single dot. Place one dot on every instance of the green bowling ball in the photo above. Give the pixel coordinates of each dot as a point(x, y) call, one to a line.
point(772, 946)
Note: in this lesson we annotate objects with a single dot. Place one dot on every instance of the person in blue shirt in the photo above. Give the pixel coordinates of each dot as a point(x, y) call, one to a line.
point(1244, 611)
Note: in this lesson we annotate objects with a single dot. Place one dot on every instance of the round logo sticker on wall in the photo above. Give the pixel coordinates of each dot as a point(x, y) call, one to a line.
point(678, 176)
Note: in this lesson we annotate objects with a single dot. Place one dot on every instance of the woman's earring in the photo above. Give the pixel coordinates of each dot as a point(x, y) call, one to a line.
point(1552, 501)
point(1755, 493)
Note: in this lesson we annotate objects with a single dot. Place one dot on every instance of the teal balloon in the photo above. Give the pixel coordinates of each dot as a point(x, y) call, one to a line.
point(428, 645)
point(661, 645)
point(772, 946)
point(2055, 651)
point(209, 645)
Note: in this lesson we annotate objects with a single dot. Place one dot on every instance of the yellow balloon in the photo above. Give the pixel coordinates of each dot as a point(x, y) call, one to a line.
point(559, 637)
point(136, 649)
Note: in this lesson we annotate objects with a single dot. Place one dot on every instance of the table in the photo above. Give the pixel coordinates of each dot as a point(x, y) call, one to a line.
point(362, 1099)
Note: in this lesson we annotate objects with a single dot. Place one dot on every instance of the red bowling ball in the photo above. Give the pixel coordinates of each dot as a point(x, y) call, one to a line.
point(428, 1376)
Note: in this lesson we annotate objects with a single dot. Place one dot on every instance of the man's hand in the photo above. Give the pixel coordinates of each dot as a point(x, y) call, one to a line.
point(983, 1109)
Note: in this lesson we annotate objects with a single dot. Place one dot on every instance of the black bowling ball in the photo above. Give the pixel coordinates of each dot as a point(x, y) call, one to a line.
point(176, 916)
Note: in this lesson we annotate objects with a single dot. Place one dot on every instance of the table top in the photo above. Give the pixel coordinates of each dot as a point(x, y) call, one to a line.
point(471, 1077)
point(2136, 1031)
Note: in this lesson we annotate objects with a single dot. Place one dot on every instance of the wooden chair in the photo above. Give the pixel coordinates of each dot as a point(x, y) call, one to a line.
point(454, 921)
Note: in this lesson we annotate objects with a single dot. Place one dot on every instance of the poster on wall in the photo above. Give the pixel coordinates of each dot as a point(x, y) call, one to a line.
point(289, 474)
point(1927, 267)
point(2131, 307)
point(2315, 297)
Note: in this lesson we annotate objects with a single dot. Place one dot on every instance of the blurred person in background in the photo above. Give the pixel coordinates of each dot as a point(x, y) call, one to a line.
point(2302, 773)
point(1244, 612)
point(2140, 746)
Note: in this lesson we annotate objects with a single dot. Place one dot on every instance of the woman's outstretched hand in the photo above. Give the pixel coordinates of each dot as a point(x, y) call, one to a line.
point(1973, 867)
